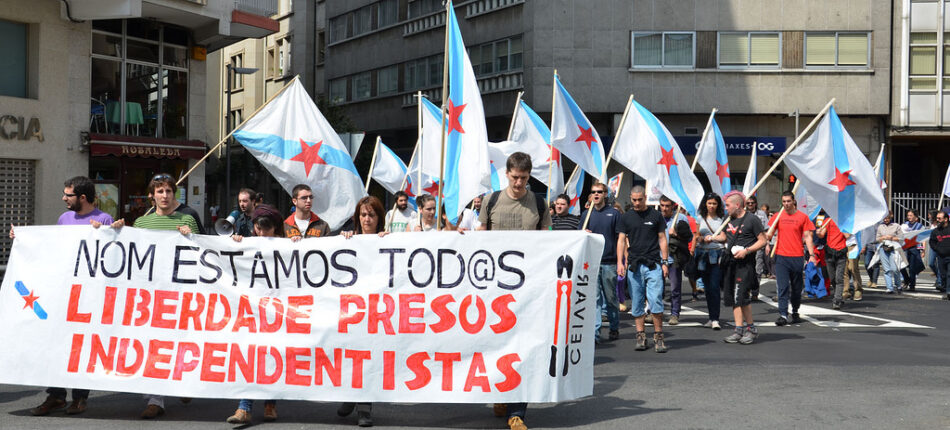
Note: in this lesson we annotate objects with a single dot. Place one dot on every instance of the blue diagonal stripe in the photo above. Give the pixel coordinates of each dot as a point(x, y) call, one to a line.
point(287, 149)
point(846, 198)
point(657, 130)
point(579, 118)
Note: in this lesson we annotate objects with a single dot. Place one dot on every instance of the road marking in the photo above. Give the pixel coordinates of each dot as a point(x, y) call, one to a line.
point(812, 314)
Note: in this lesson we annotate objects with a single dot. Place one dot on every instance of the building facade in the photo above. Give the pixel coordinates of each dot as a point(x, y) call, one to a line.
point(115, 93)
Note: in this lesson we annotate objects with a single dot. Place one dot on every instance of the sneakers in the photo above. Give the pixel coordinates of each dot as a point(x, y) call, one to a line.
point(659, 345)
point(796, 318)
point(858, 295)
point(749, 336)
point(240, 417)
point(51, 403)
point(735, 336)
point(499, 409)
point(153, 411)
point(675, 320)
point(781, 321)
point(614, 335)
point(889, 292)
point(707, 324)
point(270, 412)
point(715, 325)
point(641, 341)
point(516, 423)
point(78, 406)
point(836, 305)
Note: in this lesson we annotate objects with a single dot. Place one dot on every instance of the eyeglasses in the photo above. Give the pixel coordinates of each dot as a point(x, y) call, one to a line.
point(596, 191)
point(305, 197)
point(162, 177)
point(69, 194)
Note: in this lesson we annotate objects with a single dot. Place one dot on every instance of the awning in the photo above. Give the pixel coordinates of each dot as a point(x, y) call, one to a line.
point(145, 147)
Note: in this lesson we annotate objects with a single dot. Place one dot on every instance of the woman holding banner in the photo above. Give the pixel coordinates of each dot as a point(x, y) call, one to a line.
point(266, 222)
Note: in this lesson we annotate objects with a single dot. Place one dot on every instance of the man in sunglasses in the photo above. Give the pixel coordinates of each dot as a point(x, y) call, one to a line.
point(603, 221)
point(304, 223)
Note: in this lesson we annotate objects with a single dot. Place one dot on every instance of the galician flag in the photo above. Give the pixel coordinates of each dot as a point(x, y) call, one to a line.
point(388, 169)
point(946, 183)
point(531, 136)
point(806, 203)
point(613, 184)
point(428, 151)
point(714, 160)
point(879, 168)
point(498, 153)
point(574, 136)
point(574, 188)
point(914, 238)
point(647, 148)
point(466, 149)
point(838, 176)
point(752, 175)
point(296, 144)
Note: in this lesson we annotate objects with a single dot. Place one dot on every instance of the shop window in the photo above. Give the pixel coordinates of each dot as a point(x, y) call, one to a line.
point(14, 75)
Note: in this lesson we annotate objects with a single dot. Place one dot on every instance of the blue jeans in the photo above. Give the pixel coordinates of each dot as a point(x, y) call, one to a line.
point(712, 277)
point(789, 282)
point(247, 404)
point(645, 286)
point(607, 298)
point(60, 393)
point(891, 274)
point(676, 290)
point(915, 265)
point(872, 271)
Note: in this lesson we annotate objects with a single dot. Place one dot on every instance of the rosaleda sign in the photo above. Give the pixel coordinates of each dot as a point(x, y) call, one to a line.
point(19, 128)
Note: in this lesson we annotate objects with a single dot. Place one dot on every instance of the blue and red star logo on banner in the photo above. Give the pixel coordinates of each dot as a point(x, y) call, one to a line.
point(31, 300)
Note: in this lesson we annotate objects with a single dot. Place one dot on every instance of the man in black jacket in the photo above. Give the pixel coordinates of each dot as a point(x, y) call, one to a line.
point(940, 244)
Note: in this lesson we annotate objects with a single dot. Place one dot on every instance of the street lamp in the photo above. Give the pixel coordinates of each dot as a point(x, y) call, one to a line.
point(231, 71)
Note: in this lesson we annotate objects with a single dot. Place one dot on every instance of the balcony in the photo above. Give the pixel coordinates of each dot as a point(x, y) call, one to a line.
point(266, 8)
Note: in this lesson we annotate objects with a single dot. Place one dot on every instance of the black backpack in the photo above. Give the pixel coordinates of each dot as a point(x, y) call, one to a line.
point(538, 200)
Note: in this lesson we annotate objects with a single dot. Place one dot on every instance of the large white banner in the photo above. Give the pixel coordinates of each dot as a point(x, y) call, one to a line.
point(410, 317)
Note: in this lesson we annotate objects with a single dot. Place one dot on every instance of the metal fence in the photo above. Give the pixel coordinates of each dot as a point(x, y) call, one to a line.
point(921, 203)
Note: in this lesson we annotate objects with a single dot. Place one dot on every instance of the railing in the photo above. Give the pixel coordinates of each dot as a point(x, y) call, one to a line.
point(921, 203)
point(497, 83)
point(257, 7)
point(434, 95)
point(481, 7)
point(424, 23)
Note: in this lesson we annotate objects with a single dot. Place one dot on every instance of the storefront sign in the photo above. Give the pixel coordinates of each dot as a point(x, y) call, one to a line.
point(18, 128)
point(738, 145)
point(150, 151)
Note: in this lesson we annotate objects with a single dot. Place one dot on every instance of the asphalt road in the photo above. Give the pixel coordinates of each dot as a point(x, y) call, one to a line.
point(882, 363)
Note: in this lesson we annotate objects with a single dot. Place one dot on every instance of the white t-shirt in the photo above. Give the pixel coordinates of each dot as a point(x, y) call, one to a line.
point(414, 222)
point(399, 219)
point(469, 220)
point(302, 224)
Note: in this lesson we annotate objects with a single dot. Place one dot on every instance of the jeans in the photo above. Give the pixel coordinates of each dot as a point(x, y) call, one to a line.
point(836, 261)
point(932, 261)
point(872, 271)
point(712, 276)
point(607, 298)
point(646, 285)
point(676, 289)
point(915, 265)
point(60, 393)
point(247, 404)
point(518, 409)
point(788, 276)
point(943, 264)
point(891, 274)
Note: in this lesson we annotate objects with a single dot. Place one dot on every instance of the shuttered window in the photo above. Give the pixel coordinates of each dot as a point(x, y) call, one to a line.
point(17, 203)
point(663, 49)
point(749, 49)
point(837, 49)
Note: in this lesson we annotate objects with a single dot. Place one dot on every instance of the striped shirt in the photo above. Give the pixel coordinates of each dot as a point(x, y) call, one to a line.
point(154, 221)
point(565, 222)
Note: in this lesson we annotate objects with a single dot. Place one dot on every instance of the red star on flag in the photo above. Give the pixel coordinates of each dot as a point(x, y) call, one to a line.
point(309, 155)
point(842, 179)
point(555, 155)
point(586, 266)
point(574, 201)
point(30, 300)
point(454, 113)
point(587, 136)
point(408, 189)
point(432, 189)
point(667, 159)
point(910, 242)
point(722, 171)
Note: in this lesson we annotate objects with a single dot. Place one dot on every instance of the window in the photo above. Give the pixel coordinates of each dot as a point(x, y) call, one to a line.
point(497, 57)
point(283, 57)
point(364, 20)
point(271, 63)
point(387, 81)
point(923, 61)
point(140, 78)
point(388, 12)
point(17, 198)
point(321, 47)
point(843, 49)
point(237, 79)
point(424, 72)
point(666, 49)
point(338, 91)
point(14, 75)
point(338, 28)
point(424, 7)
point(362, 86)
point(749, 49)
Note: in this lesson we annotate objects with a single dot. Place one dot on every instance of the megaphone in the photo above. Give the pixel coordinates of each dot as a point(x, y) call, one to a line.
point(225, 226)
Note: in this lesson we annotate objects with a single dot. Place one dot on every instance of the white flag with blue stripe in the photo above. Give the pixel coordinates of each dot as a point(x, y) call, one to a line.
point(574, 136)
point(388, 169)
point(714, 160)
point(533, 137)
point(838, 176)
point(752, 175)
point(297, 145)
point(574, 188)
point(647, 148)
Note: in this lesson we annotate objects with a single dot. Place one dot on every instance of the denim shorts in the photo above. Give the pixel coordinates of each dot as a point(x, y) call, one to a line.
point(645, 286)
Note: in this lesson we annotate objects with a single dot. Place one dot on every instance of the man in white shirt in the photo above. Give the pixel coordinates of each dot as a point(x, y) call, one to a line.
point(397, 219)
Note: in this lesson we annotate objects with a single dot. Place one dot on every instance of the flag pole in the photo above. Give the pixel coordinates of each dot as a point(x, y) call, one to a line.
point(372, 164)
point(225, 139)
point(551, 138)
point(610, 155)
point(445, 92)
point(405, 179)
point(511, 127)
point(778, 216)
point(785, 154)
point(702, 142)
point(419, 138)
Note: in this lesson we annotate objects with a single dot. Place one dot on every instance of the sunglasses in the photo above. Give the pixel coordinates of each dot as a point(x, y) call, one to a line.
point(596, 192)
point(162, 177)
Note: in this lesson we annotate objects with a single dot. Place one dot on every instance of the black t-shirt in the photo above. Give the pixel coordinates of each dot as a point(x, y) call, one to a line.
point(743, 231)
point(642, 230)
point(184, 209)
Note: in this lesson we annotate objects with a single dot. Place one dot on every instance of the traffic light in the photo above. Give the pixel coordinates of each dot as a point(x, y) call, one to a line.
point(791, 182)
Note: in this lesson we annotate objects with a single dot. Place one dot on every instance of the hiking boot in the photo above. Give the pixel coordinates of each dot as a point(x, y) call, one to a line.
point(659, 345)
point(735, 336)
point(796, 318)
point(78, 406)
point(240, 417)
point(749, 336)
point(614, 335)
point(516, 423)
point(499, 409)
point(152, 411)
point(648, 319)
point(675, 320)
point(715, 325)
point(270, 412)
point(858, 296)
point(364, 419)
point(51, 403)
point(641, 341)
point(781, 321)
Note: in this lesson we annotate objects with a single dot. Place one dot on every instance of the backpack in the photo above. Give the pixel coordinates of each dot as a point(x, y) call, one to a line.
point(493, 199)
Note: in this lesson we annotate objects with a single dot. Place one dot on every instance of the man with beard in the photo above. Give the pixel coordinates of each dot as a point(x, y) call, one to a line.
point(247, 202)
point(397, 220)
point(940, 245)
